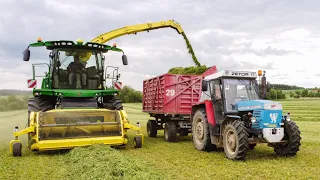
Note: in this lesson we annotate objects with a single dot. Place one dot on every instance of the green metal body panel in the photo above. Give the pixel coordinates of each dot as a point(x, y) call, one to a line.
point(46, 84)
point(79, 93)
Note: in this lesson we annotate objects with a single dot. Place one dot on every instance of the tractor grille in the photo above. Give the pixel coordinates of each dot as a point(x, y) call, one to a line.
point(63, 124)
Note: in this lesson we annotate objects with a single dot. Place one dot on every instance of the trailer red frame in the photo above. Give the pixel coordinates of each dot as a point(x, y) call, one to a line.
point(169, 98)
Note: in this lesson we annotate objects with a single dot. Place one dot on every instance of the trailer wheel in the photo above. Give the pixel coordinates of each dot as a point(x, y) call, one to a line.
point(152, 128)
point(16, 149)
point(292, 135)
point(235, 140)
point(200, 132)
point(137, 141)
point(170, 131)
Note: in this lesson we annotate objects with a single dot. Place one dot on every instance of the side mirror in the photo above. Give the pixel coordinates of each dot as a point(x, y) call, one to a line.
point(124, 60)
point(26, 54)
point(204, 85)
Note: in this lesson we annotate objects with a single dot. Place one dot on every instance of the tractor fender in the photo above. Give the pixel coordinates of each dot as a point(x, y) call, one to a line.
point(227, 119)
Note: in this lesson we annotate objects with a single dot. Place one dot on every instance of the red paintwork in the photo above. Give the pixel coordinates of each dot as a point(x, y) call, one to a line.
point(172, 93)
point(210, 112)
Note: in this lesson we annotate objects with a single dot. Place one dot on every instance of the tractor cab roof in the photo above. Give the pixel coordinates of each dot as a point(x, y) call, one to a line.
point(231, 73)
point(50, 45)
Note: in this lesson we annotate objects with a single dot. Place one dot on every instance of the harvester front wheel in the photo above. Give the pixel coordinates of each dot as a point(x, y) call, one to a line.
point(292, 135)
point(137, 141)
point(235, 140)
point(37, 104)
point(114, 104)
point(152, 128)
point(200, 131)
point(16, 149)
point(170, 131)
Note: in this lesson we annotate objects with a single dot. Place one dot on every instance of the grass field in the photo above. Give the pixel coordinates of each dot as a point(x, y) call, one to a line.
point(170, 160)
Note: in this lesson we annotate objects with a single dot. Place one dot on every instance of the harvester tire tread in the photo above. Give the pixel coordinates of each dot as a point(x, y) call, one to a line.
point(16, 149)
point(206, 144)
point(114, 104)
point(170, 131)
point(152, 128)
point(37, 104)
point(137, 141)
point(117, 104)
point(292, 134)
point(243, 142)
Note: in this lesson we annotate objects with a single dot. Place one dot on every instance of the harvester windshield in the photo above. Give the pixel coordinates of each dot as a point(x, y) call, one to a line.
point(72, 71)
point(236, 90)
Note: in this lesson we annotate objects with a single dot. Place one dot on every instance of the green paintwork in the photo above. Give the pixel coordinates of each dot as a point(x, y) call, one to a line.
point(46, 85)
point(79, 93)
point(54, 44)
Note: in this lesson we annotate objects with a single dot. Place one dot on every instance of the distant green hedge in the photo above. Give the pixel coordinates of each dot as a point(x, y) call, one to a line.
point(13, 102)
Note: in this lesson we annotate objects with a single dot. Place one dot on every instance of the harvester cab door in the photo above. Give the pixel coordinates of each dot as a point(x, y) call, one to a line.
point(217, 100)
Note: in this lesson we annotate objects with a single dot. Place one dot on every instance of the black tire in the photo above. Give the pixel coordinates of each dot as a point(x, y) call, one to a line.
point(200, 131)
point(292, 134)
point(114, 104)
point(236, 149)
point(16, 149)
point(170, 131)
point(137, 142)
point(152, 128)
point(184, 132)
point(252, 146)
point(37, 104)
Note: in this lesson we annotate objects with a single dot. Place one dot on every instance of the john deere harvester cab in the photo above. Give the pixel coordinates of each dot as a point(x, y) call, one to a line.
point(74, 107)
point(233, 115)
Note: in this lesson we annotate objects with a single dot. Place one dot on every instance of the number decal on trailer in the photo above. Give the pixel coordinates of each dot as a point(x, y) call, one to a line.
point(170, 92)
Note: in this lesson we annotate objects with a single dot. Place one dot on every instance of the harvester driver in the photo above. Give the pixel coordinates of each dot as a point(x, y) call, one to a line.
point(75, 68)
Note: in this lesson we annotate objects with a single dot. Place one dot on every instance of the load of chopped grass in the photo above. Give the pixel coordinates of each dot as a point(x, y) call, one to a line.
point(188, 70)
point(104, 162)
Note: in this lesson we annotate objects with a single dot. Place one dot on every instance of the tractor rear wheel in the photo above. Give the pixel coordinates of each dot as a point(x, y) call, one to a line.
point(200, 131)
point(292, 135)
point(170, 131)
point(235, 140)
point(37, 104)
point(152, 128)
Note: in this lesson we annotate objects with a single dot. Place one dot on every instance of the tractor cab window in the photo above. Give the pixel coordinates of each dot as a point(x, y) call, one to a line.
point(238, 90)
point(77, 69)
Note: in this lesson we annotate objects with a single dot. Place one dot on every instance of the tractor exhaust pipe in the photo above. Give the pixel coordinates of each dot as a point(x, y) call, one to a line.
point(264, 86)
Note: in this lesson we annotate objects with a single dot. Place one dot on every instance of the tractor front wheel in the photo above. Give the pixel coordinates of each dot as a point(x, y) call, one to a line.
point(235, 140)
point(292, 135)
point(152, 128)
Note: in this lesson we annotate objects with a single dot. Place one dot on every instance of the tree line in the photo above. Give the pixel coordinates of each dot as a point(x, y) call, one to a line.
point(305, 93)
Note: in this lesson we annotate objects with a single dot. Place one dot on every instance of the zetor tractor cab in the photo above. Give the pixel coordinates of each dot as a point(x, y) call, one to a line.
point(74, 107)
point(233, 116)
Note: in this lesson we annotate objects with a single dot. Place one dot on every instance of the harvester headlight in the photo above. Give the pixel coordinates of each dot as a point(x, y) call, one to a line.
point(253, 119)
point(39, 39)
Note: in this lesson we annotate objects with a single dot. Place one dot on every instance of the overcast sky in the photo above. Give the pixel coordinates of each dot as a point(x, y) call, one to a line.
point(281, 37)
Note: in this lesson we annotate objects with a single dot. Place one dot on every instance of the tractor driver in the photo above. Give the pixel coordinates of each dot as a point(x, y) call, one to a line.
point(74, 68)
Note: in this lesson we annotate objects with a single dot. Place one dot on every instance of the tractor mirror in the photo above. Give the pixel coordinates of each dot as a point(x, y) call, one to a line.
point(124, 60)
point(26, 54)
point(204, 85)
